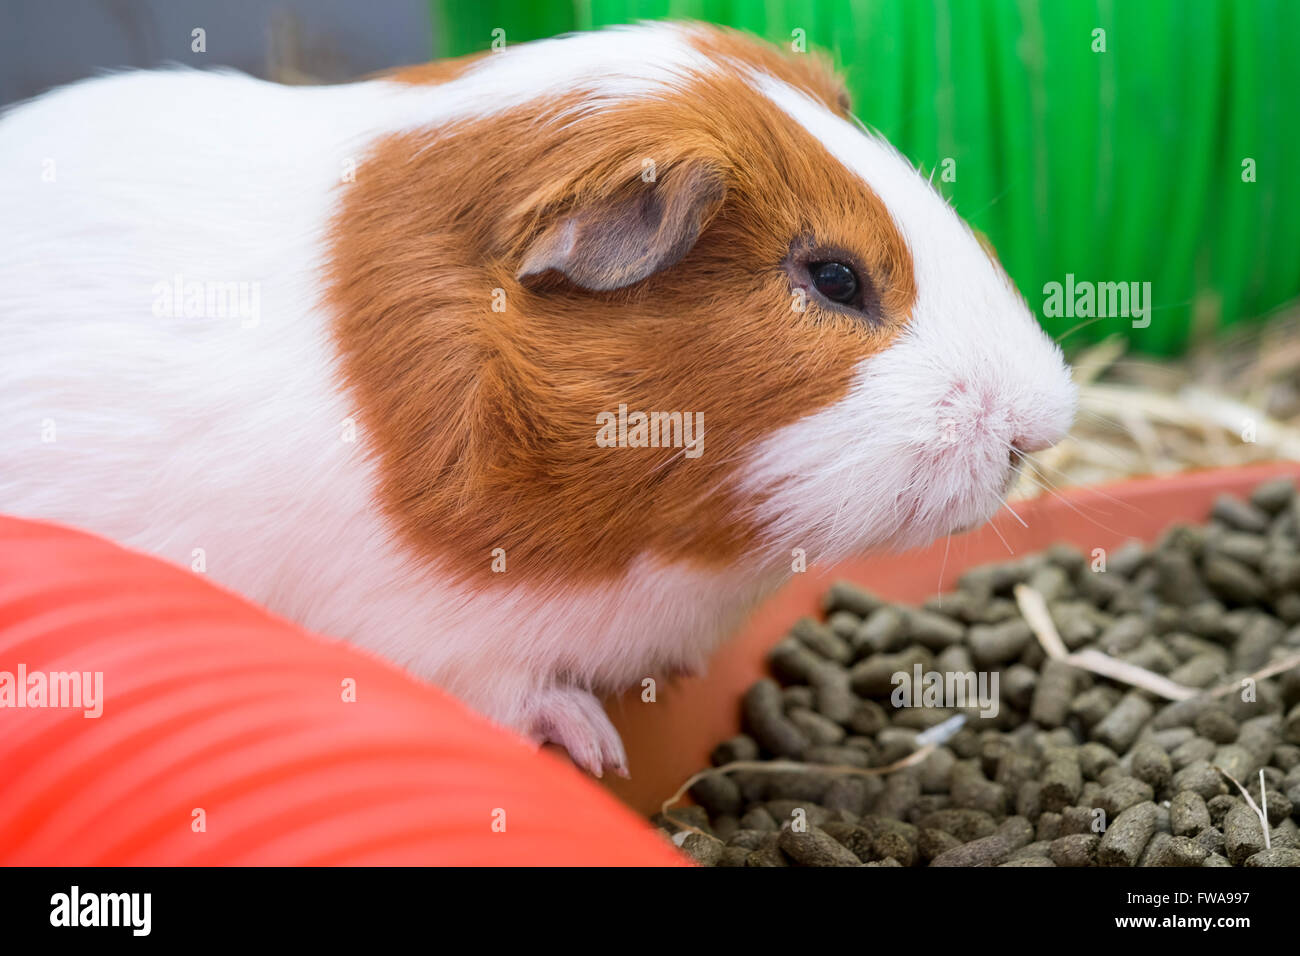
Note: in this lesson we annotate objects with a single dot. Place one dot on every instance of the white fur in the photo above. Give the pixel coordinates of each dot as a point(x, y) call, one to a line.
point(176, 434)
point(929, 423)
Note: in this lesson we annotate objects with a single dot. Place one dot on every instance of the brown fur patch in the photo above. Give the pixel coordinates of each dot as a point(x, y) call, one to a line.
point(811, 72)
point(484, 422)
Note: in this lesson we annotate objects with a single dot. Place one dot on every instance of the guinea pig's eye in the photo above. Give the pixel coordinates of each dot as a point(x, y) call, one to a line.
point(835, 280)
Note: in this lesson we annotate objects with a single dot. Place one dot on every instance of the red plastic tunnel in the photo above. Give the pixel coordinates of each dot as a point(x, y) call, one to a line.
point(227, 737)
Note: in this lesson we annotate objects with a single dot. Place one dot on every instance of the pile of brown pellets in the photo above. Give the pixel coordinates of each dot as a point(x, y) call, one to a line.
point(1074, 769)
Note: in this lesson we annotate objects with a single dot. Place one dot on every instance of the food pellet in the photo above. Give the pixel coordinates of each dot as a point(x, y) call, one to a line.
point(1166, 850)
point(1076, 849)
point(1123, 793)
point(1198, 749)
point(1052, 696)
point(846, 596)
point(704, 850)
point(815, 847)
point(769, 854)
point(932, 843)
point(1062, 780)
point(740, 747)
point(1127, 835)
point(1242, 834)
point(1278, 856)
point(1151, 765)
point(1187, 814)
point(1120, 727)
point(1014, 833)
point(768, 723)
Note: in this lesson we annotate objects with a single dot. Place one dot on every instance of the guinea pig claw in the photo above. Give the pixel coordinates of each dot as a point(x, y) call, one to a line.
point(575, 719)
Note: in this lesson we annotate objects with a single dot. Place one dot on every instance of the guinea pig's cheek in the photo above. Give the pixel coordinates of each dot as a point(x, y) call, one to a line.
point(911, 453)
point(845, 478)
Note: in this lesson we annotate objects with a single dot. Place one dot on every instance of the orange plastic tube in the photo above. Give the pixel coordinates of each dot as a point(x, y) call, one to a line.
point(230, 737)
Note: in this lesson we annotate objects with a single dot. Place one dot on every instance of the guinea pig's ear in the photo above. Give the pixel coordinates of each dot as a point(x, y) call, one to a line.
point(617, 240)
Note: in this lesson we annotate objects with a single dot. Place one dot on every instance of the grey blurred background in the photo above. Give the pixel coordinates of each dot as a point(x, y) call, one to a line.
point(46, 43)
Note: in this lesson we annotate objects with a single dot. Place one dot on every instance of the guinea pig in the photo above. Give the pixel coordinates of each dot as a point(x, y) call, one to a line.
point(529, 371)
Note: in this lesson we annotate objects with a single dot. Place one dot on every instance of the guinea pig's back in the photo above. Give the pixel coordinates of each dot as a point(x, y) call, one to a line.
point(167, 376)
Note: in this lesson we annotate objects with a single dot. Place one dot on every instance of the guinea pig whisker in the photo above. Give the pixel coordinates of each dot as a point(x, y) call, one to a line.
point(1043, 483)
point(943, 566)
point(1096, 417)
point(994, 526)
point(1106, 450)
point(1128, 506)
point(987, 206)
point(1082, 325)
point(1082, 514)
point(1016, 516)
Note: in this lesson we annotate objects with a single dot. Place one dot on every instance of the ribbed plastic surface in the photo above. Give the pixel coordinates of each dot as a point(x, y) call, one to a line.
point(210, 704)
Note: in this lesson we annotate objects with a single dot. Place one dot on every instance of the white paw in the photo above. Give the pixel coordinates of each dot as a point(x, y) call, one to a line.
point(575, 720)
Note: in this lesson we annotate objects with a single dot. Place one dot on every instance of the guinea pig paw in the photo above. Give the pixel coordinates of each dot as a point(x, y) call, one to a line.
point(576, 721)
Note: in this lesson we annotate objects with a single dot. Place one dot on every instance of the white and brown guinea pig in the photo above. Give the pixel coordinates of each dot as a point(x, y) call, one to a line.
point(446, 278)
